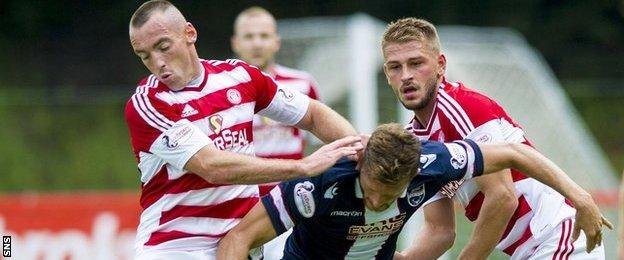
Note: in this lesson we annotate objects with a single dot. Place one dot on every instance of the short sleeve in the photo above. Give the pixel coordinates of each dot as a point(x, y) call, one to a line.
point(179, 143)
point(496, 131)
point(447, 162)
point(288, 106)
point(466, 160)
point(291, 202)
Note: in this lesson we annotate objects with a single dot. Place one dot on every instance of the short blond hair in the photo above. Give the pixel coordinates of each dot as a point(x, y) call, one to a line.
point(411, 29)
point(392, 154)
point(251, 12)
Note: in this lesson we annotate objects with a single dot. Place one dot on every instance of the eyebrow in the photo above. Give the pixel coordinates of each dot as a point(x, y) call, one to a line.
point(160, 40)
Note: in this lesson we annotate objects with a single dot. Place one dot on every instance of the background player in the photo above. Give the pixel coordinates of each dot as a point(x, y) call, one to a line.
point(190, 127)
point(256, 42)
point(526, 219)
point(358, 215)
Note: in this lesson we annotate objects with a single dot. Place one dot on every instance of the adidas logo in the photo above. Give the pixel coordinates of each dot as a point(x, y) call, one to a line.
point(189, 111)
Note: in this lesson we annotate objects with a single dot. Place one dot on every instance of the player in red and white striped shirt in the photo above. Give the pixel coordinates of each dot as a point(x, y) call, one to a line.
point(539, 223)
point(256, 41)
point(190, 124)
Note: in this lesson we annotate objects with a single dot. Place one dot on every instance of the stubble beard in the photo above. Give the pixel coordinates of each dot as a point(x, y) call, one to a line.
point(430, 86)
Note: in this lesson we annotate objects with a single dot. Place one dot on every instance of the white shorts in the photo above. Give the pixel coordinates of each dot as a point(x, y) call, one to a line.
point(210, 254)
point(181, 255)
point(558, 245)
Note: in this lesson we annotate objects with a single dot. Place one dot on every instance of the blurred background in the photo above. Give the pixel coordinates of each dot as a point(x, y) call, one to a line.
point(67, 69)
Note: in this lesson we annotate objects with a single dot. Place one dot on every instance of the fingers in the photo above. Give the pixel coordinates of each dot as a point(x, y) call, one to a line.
point(349, 140)
point(606, 222)
point(577, 231)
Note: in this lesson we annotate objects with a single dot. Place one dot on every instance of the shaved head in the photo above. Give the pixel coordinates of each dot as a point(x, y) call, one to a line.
point(163, 9)
point(254, 12)
point(165, 42)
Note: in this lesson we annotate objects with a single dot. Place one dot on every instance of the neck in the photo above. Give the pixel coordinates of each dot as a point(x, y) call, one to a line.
point(269, 68)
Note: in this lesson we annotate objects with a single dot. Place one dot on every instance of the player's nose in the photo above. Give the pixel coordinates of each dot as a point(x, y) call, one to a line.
point(406, 74)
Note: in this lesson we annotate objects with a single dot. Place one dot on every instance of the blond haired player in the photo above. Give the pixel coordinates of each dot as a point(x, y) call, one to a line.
point(190, 124)
point(514, 213)
point(350, 213)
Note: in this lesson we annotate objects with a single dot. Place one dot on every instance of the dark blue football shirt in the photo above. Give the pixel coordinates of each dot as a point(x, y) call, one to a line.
point(328, 215)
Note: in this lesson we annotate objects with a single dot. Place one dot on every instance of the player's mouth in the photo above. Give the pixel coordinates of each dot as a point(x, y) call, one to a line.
point(409, 91)
point(166, 76)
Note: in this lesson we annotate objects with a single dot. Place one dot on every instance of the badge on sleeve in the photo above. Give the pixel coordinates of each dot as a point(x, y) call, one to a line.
point(177, 135)
point(304, 198)
point(458, 155)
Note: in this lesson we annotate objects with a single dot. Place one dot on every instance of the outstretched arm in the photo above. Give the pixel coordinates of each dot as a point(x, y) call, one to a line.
point(225, 167)
point(254, 230)
point(526, 159)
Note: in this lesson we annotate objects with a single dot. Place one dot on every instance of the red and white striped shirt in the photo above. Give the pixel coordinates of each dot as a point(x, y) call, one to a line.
point(461, 113)
point(181, 210)
point(277, 140)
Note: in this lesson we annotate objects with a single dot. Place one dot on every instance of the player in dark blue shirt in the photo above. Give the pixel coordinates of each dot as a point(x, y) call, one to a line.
point(347, 213)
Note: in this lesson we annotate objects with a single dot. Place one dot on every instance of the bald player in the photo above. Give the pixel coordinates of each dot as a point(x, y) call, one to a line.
point(190, 125)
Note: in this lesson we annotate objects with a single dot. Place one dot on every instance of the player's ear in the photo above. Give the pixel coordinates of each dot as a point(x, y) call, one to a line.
point(190, 32)
point(441, 64)
point(278, 42)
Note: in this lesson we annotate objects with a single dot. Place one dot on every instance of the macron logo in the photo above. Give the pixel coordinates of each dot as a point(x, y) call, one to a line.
point(189, 111)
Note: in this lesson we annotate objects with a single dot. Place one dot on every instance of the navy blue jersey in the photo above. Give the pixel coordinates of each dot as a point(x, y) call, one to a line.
point(328, 215)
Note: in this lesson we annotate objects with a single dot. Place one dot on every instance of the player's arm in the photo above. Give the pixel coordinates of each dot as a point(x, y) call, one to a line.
point(436, 236)
point(254, 230)
point(325, 123)
point(226, 167)
point(498, 206)
point(497, 157)
point(295, 108)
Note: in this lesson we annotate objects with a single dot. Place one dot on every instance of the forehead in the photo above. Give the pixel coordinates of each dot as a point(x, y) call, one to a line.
point(407, 50)
point(157, 27)
point(255, 23)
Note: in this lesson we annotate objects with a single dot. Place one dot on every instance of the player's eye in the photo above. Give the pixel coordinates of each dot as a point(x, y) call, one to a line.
point(144, 57)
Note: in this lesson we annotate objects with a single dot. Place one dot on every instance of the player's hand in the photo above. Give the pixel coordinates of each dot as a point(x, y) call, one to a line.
point(328, 154)
point(590, 220)
point(360, 154)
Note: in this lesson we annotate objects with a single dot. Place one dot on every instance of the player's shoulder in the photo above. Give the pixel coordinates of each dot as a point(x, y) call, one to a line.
point(472, 105)
point(216, 66)
point(290, 73)
point(145, 91)
point(235, 69)
point(458, 92)
point(146, 106)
